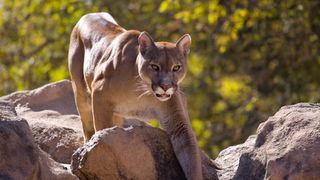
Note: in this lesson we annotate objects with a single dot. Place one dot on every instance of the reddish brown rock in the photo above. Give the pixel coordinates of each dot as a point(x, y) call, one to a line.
point(139, 152)
point(56, 127)
point(52, 115)
point(20, 156)
point(287, 146)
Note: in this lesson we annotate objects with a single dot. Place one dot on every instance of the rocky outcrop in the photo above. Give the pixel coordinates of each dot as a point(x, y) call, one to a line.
point(286, 146)
point(20, 156)
point(52, 115)
point(59, 142)
point(139, 152)
point(56, 128)
point(118, 153)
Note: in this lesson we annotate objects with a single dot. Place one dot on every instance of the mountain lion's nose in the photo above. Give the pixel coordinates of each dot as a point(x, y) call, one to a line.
point(165, 86)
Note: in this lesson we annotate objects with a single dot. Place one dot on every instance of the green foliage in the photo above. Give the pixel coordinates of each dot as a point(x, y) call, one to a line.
point(34, 41)
point(248, 58)
point(154, 123)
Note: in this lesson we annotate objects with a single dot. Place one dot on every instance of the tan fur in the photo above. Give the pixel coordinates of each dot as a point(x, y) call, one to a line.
point(114, 73)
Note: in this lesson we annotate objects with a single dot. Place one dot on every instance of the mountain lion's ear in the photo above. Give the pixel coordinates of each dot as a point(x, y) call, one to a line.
point(145, 42)
point(184, 44)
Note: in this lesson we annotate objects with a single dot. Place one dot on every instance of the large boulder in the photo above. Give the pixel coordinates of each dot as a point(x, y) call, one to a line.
point(20, 156)
point(137, 152)
point(52, 115)
point(286, 146)
point(56, 128)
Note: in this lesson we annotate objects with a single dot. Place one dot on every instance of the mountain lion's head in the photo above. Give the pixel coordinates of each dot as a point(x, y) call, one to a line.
point(162, 65)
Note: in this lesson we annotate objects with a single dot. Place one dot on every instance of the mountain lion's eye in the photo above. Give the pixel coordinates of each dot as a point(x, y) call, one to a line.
point(176, 68)
point(155, 67)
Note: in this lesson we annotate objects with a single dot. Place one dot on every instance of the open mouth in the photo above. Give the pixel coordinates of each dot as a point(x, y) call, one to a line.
point(164, 95)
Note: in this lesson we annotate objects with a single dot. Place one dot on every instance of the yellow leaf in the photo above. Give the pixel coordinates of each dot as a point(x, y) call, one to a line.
point(163, 6)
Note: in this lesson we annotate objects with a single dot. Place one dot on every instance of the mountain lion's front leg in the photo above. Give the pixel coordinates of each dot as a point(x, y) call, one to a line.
point(177, 125)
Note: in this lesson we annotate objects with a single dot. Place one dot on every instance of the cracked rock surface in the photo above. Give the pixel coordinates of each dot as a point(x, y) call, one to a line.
point(20, 156)
point(138, 152)
point(286, 146)
point(40, 129)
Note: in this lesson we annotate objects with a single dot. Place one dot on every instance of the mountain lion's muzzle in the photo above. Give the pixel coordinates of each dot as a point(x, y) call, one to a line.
point(164, 90)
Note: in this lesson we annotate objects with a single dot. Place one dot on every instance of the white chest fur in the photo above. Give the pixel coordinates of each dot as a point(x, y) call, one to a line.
point(137, 111)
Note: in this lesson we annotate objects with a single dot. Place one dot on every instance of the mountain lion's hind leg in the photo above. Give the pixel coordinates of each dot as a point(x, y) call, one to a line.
point(82, 100)
point(102, 111)
point(82, 97)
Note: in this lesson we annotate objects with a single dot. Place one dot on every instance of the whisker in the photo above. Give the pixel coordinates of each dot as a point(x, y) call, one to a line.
point(138, 76)
point(141, 87)
point(145, 93)
point(180, 91)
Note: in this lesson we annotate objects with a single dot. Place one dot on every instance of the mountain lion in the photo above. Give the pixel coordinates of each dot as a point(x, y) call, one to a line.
point(118, 72)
